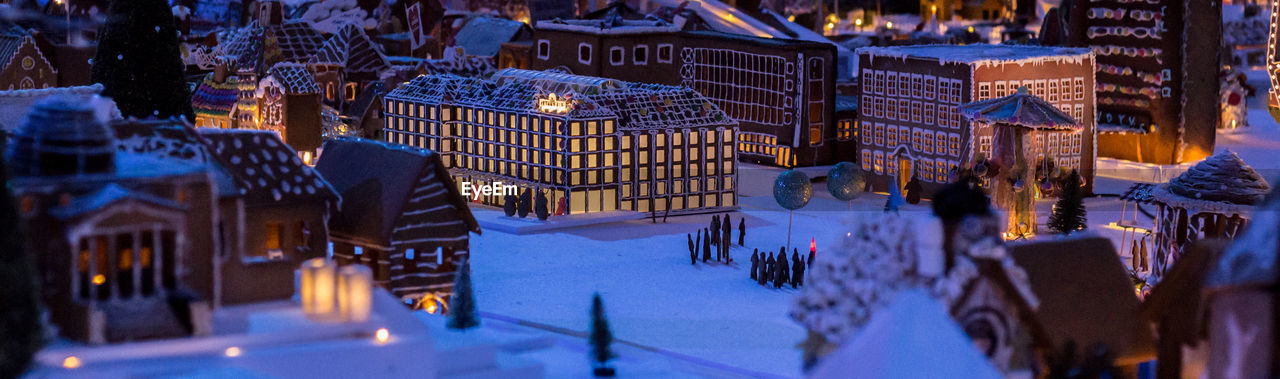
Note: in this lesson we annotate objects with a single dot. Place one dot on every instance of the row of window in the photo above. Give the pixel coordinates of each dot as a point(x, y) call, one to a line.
point(400, 109)
point(1052, 144)
point(914, 111)
point(1051, 90)
point(924, 169)
point(617, 54)
point(922, 140)
point(677, 186)
point(915, 86)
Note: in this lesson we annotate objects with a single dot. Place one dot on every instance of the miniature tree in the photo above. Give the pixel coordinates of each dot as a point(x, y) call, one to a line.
point(1069, 214)
point(21, 334)
point(138, 62)
point(462, 311)
point(509, 205)
point(540, 206)
point(600, 339)
point(526, 203)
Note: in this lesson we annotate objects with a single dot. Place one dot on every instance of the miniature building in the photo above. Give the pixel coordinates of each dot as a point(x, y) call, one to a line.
point(1175, 311)
point(124, 244)
point(403, 217)
point(781, 91)
point(456, 61)
point(514, 55)
point(1240, 296)
point(1213, 199)
point(347, 63)
point(275, 216)
point(1085, 296)
point(484, 36)
point(15, 104)
point(23, 65)
point(846, 121)
point(215, 98)
point(1157, 77)
point(596, 144)
point(945, 10)
point(290, 106)
point(910, 95)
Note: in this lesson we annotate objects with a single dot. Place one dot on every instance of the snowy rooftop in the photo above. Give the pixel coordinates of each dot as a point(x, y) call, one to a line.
point(266, 169)
point(609, 26)
point(980, 54)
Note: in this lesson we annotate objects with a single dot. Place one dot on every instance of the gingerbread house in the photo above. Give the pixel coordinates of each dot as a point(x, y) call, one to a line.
point(911, 125)
point(593, 144)
point(347, 63)
point(1241, 298)
point(276, 213)
point(289, 104)
point(1157, 75)
point(1175, 311)
point(214, 99)
point(780, 91)
point(124, 247)
point(404, 216)
point(23, 65)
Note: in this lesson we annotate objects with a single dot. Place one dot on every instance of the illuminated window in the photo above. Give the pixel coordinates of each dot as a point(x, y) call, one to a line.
point(930, 87)
point(929, 117)
point(273, 236)
point(892, 140)
point(891, 84)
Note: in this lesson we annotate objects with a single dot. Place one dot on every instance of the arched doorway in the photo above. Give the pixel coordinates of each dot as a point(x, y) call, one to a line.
point(903, 164)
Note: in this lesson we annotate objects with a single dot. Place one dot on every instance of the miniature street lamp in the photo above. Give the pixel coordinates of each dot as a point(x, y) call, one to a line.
point(355, 293)
point(317, 287)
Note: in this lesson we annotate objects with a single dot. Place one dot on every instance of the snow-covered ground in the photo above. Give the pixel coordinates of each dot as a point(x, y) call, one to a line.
point(713, 315)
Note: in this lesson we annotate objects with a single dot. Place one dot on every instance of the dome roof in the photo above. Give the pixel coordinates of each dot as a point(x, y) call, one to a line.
point(1223, 178)
point(61, 135)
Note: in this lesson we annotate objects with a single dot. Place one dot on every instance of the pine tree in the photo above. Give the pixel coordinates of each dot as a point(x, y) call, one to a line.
point(462, 311)
point(21, 333)
point(600, 337)
point(138, 62)
point(1069, 214)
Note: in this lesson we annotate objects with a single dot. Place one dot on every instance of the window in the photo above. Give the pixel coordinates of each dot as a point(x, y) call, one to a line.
point(328, 91)
point(891, 85)
point(867, 78)
point(940, 140)
point(953, 144)
point(944, 115)
point(866, 160)
point(956, 94)
point(942, 171)
point(879, 134)
point(984, 146)
point(1078, 113)
point(274, 231)
point(926, 170)
point(892, 113)
point(640, 54)
point(944, 90)
point(984, 90)
point(865, 105)
point(916, 143)
point(878, 84)
point(616, 56)
point(584, 53)
point(930, 87)
point(879, 106)
point(350, 90)
point(1000, 89)
point(917, 86)
point(878, 164)
point(1053, 92)
point(544, 49)
point(892, 138)
point(28, 63)
point(929, 109)
point(915, 111)
point(926, 141)
point(867, 137)
point(1040, 89)
point(1079, 91)
point(664, 53)
point(1064, 89)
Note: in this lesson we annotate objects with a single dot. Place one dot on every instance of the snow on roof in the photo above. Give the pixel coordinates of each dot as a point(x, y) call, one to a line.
point(980, 54)
point(726, 18)
point(9, 45)
point(296, 40)
point(352, 48)
point(295, 78)
point(168, 143)
point(266, 169)
point(914, 337)
point(1221, 183)
point(14, 103)
point(608, 26)
point(1251, 258)
point(457, 62)
point(107, 195)
point(485, 35)
point(636, 105)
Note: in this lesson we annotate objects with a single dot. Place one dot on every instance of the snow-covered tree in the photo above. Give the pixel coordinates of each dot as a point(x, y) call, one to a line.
point(600, 338)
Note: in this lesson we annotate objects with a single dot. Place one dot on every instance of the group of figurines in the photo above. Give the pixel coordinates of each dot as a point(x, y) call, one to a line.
point(718, 235)
point(766, 270)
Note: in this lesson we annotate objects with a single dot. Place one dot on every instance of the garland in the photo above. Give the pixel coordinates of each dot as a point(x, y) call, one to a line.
point(1124, 102)
point(1118, 14)
point(1148, 77)
point(1150, 92)
point(1130, 51)
point(1124, 31)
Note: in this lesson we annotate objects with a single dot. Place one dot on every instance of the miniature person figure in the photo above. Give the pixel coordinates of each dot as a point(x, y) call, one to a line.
point(724, 239)
point(693, 251)
point(728, 229)
point(813, 253)
point(755, 262)
point(761, 273)
point(716, 227)
point(742, 231)
point(796, 269)
point(706, 246)
point(783, 271)
point(769, 269)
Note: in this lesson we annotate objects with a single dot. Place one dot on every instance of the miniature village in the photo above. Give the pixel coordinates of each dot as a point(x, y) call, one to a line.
point(498, 189)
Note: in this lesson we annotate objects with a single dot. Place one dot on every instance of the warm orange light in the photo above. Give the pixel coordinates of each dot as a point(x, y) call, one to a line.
point(431, 306)
point(99, 279)
point(889, 24)
point(382, 335)
point(232, 352)
point(71, 362)
point(857, 22)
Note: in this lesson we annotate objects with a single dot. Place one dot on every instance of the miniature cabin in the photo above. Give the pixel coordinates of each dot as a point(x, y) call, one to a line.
point(403, 217)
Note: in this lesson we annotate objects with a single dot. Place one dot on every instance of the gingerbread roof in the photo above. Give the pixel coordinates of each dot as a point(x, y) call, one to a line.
point(352, 48)
point(1250, 261)
point(297, 42)
point(267, 171)
point(466, 65)
point(107, 195)
point(484, 35)
point(215, 99)
point(296, 79)
point(9, 45)
point(980, 54)
point(1221, 182)
point(1085, 295)
point(168, 142)
point(389, 185)
point(1020, 109)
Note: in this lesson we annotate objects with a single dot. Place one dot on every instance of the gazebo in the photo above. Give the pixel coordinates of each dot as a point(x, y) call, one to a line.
point(1213, 199)
point(1012, 118)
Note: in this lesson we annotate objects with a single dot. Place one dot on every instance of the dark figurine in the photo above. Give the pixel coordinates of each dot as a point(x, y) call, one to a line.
point(781, 278)
point(706, 247)
point(755, 262)
point(797, 270)
point(742, 231)
point(724, 245)
point(761, 273)
point(693, 251)
point(715, 226)
point(769, 269)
